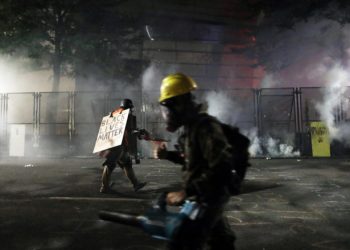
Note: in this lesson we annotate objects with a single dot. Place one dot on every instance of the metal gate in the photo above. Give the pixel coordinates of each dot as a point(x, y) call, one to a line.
point(66, 123)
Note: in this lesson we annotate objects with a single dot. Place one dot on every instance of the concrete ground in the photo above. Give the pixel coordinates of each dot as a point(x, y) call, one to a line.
point(286, 204)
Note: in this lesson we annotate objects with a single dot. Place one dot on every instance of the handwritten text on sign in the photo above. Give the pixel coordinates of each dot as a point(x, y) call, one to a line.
point(111, 131)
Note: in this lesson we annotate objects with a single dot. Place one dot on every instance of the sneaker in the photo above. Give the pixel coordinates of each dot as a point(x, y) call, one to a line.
point(105, 190)
point(140, 185)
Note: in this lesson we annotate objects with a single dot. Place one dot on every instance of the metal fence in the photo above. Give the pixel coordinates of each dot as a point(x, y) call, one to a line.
point(66, 123)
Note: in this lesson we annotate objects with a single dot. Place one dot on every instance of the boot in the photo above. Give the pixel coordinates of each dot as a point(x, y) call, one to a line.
point(139, 185)
point(105, 180)
point(129, 172)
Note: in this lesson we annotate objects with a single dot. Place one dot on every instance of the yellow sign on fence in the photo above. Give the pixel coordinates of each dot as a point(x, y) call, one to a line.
point(320, 140)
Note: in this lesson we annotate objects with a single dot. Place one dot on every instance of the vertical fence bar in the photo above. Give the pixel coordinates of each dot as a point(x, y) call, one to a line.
point(1, 98)
point(3, 121)
point(2, 138)
point(298, 117)
point(6, 103)
point(301, 116)
point(298, 113)
point(1, 112)
point(296, 109)
point(36, 120)
point(71, 118)
point(302, 137)
point(293, 107)
point(257, 110)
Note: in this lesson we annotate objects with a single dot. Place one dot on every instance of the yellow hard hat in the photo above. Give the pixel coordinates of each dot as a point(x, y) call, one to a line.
point(175, 85)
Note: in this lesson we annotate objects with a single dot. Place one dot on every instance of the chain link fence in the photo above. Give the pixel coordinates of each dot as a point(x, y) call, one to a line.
point(66, 123)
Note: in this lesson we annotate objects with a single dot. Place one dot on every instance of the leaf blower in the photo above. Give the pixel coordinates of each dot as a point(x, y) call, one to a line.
point(158, 222)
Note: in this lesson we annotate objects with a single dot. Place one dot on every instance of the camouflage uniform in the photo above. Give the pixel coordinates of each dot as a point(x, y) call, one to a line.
point(206, 167)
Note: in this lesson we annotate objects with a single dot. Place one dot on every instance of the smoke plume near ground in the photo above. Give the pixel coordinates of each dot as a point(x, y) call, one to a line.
point(269, 146)
point(227, 110)
point(315, 53)
point(337, 80)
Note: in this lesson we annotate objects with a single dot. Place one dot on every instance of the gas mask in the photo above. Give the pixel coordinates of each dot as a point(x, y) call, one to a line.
point(172, 118)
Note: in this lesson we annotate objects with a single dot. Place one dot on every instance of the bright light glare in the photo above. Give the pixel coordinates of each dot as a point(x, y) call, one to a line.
point(7, 76)
point(149, 33)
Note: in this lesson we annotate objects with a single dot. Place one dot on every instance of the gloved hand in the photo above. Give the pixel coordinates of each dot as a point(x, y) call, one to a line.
point(162, 152)
point(143, 134)
point(175, 198)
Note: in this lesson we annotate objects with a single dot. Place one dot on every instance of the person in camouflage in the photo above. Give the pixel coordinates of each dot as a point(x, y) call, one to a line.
point(206, 158)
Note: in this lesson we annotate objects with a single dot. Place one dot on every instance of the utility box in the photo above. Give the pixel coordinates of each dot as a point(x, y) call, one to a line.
point(17, 140)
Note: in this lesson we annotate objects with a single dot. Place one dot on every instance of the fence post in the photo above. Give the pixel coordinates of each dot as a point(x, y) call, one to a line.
point(2, 123)
point(36, 119)
point(257, 110)
point(298, 117)
point(71, 116)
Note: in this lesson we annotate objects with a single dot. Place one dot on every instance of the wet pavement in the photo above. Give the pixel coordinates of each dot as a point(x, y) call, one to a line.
point(286, 204)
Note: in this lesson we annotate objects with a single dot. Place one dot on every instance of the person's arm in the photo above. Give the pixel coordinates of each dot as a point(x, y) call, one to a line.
point(173, 156)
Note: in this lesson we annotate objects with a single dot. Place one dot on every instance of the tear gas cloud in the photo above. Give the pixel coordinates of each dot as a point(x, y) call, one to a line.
point(151, 80)
point(223, 107)
point(255, 144)
point(7, 76)
point(230, 111)
point(337, 80)
point(302, 49)
point(19, 106)
point(320, 52)
point(269, 146)
point(269, 81)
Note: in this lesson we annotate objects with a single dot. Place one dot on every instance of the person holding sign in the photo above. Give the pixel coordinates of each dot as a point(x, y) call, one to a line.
point(118, 154)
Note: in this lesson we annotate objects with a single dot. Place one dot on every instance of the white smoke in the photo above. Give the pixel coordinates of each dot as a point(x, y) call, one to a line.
point(277, 149)
point(255, 145)
point(8, 75)
point(152, 120)
point(229, 111)
point(17, 76)
point(268, 146)
point(337, 80)
point(269, 81)
point(223, 107)
point(151, 78)
point(317, 41)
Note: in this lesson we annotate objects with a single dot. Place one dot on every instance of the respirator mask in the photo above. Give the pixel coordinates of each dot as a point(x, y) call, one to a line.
point(172, 118)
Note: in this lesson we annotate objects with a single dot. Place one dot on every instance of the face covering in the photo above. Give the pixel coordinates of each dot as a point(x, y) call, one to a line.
point(172, 118)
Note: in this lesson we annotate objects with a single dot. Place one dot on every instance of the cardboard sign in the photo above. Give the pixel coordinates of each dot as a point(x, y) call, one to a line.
point(320, 139)
point(111, 131)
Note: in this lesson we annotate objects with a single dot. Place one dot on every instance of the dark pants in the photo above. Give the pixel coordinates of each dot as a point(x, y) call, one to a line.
point(120, 156)
point(211, 229)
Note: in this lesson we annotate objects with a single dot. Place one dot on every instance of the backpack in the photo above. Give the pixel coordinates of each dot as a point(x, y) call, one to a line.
point(240, 149)
point(240, 153)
